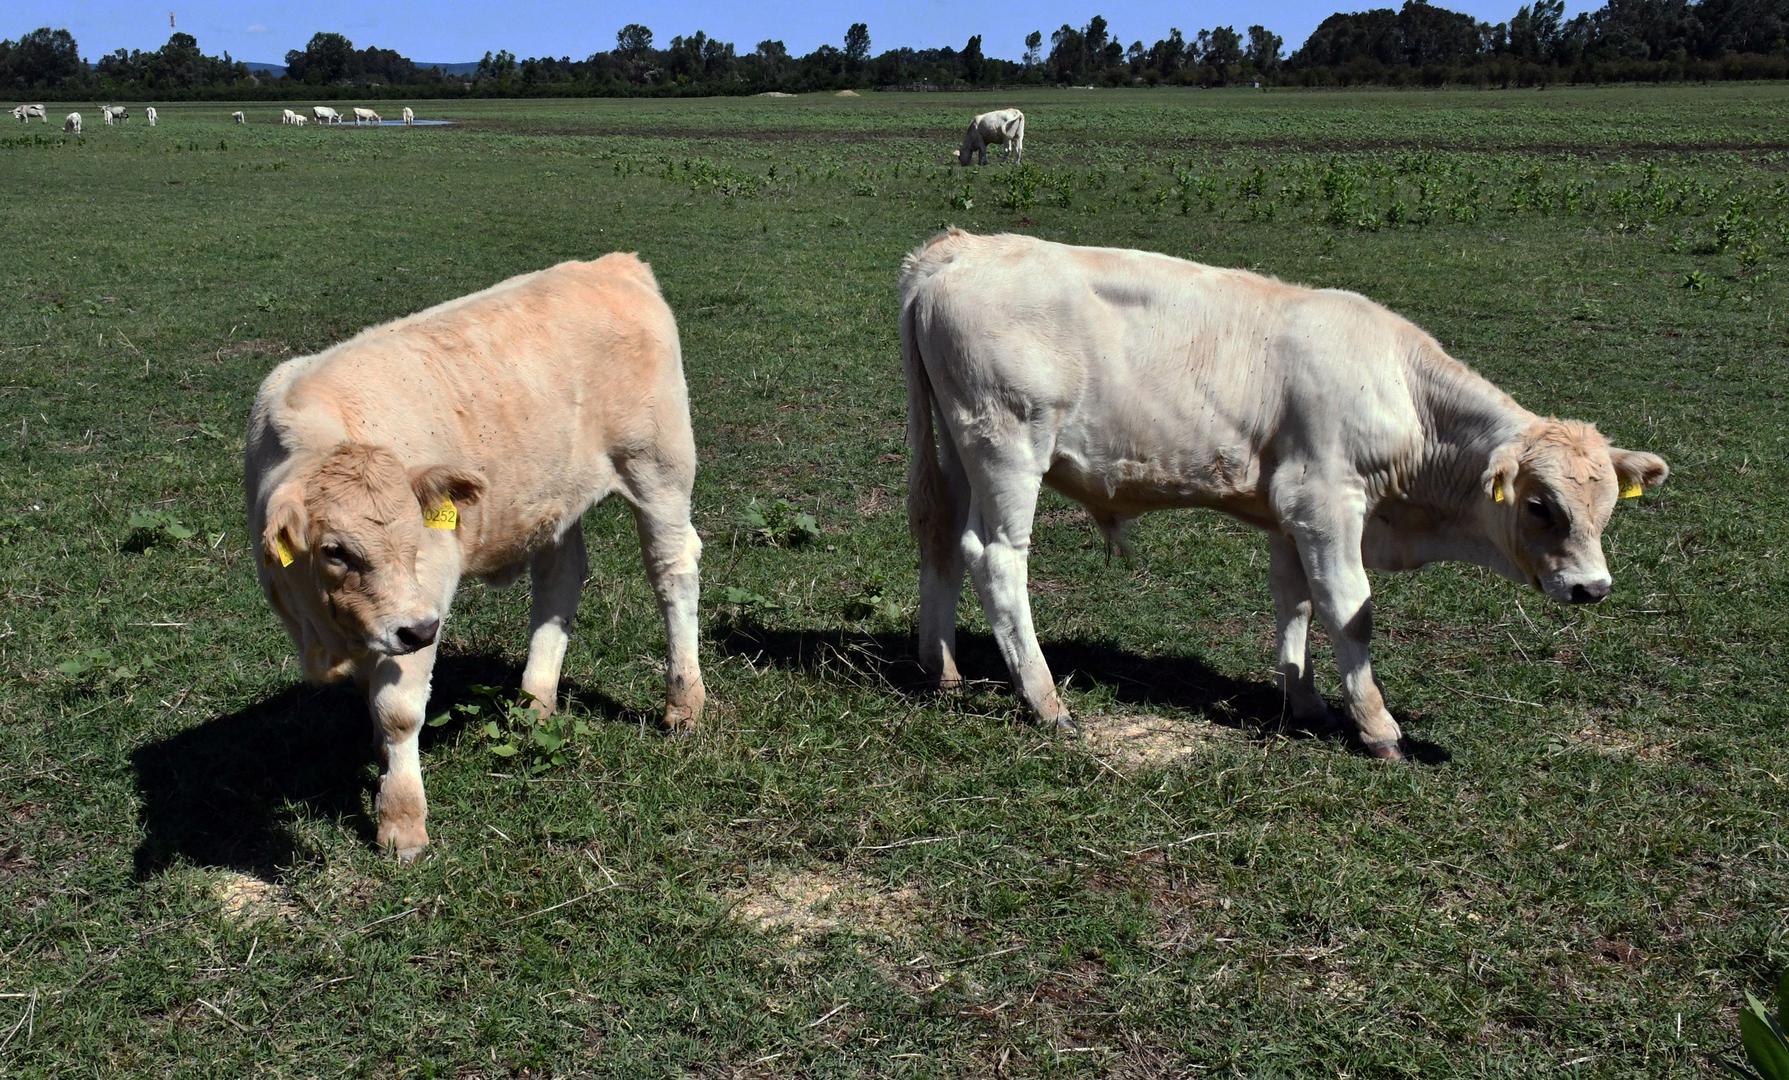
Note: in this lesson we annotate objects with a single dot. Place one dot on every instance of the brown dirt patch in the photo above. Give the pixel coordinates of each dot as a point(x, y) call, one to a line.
point(242, 898)
point(799, 905)
point(231, 350)
point(1611, 741)
point(1133, 742)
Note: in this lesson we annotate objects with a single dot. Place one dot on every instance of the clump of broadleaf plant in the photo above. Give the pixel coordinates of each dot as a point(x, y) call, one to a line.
point(778, 524)
point(511, 728)
point(1761, 1033)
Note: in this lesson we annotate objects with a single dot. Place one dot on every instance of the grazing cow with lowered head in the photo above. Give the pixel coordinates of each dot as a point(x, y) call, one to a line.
point(1134, 382)
point(24, 113)
point(468, 440)
point(114, 112)
point(150, 114)
point(299, 119)
point(72, 123)
point(366, 115)
point(409, 116)
point(325, 115)
point(1004, 127)
point(238, 117)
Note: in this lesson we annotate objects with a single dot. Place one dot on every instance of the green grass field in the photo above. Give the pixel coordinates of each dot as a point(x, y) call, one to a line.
point(841, 876)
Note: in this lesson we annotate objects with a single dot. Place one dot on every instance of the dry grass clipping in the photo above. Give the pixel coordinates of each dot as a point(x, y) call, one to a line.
point(242, 898)
point(1133, 742)
point(797, 906)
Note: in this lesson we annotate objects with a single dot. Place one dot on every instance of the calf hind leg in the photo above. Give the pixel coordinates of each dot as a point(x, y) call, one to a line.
point(997, 546)
point(941, 569)
point(672, 550)
point(1292, 624)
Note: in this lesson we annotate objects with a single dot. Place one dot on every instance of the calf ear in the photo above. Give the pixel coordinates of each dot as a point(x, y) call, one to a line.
point(283, 538)
point(432, 483)
point(1499, 477)
point(1637, 470)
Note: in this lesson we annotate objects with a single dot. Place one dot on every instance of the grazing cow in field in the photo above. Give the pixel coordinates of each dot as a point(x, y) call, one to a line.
point(238, 117)
point(114, 112)
point(468, 440)
point(24, 113)
point(325, 115)
point(1132, 382)
point(367, 115)
point(409, 116)
point(299, 119)
point(1004, 127)
point(150, 115)
point(72, 123)
point(287, 116)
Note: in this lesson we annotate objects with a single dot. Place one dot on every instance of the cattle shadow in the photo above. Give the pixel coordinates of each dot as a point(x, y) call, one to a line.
point(1254, 708)
point(231, 791)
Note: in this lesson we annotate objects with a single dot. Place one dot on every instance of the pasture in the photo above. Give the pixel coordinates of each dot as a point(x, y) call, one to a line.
point(840, 876)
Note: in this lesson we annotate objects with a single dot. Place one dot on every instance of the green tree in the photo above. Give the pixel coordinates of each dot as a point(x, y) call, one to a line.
point(1263, 51)
point(1034, 45)
point(857, 44)
point(974, 63)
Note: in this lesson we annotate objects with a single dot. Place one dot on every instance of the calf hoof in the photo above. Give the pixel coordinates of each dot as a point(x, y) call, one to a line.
point(404, 844)
point(1389, 750)
point(681, 720)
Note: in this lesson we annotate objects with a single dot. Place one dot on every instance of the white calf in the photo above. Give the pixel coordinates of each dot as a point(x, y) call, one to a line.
point(72, 123)
point(299, 119)
point(325, 115)
point(1003, 127)
point(24, 113)
point(114, 112)
point(238, 117)
point(367, 115)
point(409, 116)
point(150, 114)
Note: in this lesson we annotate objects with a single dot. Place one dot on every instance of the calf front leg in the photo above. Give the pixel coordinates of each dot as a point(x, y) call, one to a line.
point(1292, 624)
point(1328, 540)
point(556, 578)
point(397, 695)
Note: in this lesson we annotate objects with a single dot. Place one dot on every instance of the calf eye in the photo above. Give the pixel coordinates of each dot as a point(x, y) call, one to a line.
point(336, 553)
point(1540, 511)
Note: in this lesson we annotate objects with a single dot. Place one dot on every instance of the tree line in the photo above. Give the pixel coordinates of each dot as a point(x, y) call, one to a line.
point(1419, 44)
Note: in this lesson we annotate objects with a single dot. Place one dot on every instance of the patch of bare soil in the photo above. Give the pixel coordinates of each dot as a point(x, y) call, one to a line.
point(231, 350)
point(798, 905)
point(242, 898)
point(1133, 742)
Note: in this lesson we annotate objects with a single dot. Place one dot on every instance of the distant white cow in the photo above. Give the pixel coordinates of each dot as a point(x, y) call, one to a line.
point(72, 123)
point(1004, 127)
point(114, 112)
point(287, 116)
point(409, 116)
point(325, 115)
point(367, 115)
point(24, 113)
point(299, 119)
point(238, 117)
point(150, 114)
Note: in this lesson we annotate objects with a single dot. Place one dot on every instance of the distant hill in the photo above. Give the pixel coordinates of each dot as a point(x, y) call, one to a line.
point(276, 70)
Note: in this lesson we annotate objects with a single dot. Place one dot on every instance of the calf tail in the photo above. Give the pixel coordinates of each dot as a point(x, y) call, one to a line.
point(928, 490)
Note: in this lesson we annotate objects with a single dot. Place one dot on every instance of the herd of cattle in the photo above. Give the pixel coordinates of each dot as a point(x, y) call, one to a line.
point(323, 114)
point(469, 439)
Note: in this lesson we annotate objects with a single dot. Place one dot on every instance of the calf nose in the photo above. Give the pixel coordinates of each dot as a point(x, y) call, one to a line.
point(419, 634)
point(1593, 593)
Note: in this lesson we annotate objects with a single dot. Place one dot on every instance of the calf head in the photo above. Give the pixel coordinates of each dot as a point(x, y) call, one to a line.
point(1551, 490)
point(341, 541)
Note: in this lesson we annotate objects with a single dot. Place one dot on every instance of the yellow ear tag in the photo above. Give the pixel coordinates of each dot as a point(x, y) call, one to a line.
point(285, 556)
point(1497, 493)
point(1633, 491)
point(444, 516)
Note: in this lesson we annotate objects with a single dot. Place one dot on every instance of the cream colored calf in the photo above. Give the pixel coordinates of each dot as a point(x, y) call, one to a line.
point(238, 117)
point(1133, 382)
point(468, 440)
point(151, 115)
point(72, 123)
point(366, 115)
point(409, 116)
point(1003, 127)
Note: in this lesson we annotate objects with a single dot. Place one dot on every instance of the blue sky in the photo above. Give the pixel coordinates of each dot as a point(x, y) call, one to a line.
point(446, 32)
